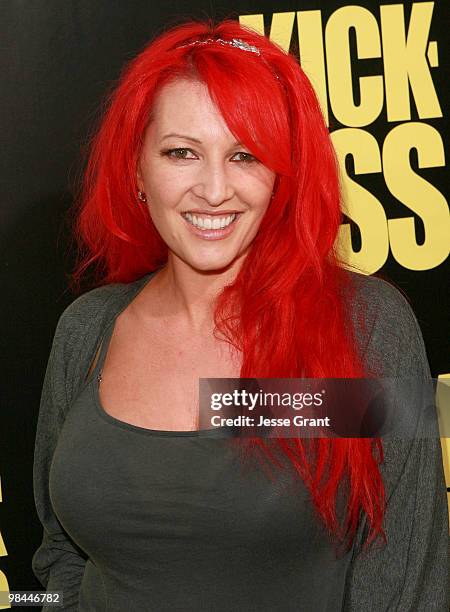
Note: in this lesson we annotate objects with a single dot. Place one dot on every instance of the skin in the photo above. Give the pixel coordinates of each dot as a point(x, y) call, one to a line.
point(213, 175)
point(163, 342)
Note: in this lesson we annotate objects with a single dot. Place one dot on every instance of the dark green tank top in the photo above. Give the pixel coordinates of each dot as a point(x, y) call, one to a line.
point(176, 521)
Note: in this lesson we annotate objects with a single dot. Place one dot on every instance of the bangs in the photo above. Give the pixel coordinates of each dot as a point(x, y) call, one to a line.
point(251, 100)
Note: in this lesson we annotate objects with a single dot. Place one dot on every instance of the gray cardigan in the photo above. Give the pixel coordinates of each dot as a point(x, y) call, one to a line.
point(409, 574)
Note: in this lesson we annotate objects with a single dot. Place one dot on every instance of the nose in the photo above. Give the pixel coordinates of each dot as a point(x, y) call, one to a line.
point(214, 184)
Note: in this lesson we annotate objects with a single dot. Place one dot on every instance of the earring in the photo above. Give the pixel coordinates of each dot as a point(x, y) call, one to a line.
point(142, 196)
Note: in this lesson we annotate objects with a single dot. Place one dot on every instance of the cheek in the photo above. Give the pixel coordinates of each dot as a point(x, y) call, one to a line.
point(164, 198)
point(262, 203)
point(258, 192)
point(165, 195)
point(162, 184)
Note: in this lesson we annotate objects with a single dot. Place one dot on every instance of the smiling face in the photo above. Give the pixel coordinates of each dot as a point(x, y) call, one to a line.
point(206, 193)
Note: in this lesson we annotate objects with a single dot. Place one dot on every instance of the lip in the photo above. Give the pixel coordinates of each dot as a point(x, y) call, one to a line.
point(219, 213)
point(210, 234)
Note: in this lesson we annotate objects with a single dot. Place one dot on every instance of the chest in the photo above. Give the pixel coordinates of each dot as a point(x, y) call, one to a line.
point(151, 378)
point(137, 501)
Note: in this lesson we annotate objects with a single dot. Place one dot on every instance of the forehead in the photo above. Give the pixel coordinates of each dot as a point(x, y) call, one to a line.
point(186, 104)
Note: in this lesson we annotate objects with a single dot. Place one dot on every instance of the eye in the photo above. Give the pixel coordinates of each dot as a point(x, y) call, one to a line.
point(178, 153)
point(248, 157)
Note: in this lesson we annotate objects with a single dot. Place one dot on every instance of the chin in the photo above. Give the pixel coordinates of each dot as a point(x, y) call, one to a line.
point(211, 264)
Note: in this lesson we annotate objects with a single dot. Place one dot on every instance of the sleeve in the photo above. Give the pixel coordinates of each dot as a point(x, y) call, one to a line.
point(58, 563)
point(410, 573)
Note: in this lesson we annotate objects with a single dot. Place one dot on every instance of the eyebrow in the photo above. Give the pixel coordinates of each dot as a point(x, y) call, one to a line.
point(173, 135)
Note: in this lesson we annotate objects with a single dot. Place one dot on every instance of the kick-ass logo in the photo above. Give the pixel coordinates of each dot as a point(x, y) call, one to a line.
point(398, 83)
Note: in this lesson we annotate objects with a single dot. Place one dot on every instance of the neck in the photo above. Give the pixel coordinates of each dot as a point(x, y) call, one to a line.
point(186, 295)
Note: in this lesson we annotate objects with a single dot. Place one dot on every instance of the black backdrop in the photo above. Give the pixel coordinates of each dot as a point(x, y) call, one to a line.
point(59, 58)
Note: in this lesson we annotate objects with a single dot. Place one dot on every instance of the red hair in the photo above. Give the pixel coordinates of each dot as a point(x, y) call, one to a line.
point(290, 289)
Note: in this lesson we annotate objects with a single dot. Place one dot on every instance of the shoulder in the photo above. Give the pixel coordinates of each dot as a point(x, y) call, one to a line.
point(79, 328)
point(96, 306)
point(384, 301)
point(378, 292)
point(87, 307)
point(384, 317)
point(82, 322)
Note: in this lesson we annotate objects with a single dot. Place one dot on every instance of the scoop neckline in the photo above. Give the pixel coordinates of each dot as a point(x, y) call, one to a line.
point(107, 335)
point(146, 430)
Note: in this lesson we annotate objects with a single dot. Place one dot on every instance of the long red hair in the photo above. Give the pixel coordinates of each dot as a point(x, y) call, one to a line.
point(289, 292)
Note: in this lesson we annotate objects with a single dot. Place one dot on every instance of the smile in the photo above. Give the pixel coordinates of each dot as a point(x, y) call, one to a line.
point(208, 223)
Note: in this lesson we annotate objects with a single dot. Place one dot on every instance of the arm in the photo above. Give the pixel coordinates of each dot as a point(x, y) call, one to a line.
point(409, 573)
point(58, 563)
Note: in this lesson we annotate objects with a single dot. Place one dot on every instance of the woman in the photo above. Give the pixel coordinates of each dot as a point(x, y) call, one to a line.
point(210, 209)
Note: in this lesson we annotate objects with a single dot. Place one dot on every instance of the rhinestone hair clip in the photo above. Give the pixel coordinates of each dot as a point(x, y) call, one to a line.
point(238, 43)
point(234, 42)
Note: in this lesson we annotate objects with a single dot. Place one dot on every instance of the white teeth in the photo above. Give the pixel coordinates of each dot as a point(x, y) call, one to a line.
point(207, 222)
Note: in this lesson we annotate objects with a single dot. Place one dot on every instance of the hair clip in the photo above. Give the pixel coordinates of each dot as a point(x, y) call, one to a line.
point(234, 42)
point(238, 43)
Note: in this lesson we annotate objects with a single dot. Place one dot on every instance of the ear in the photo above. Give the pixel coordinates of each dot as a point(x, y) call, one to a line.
point(139, 180)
